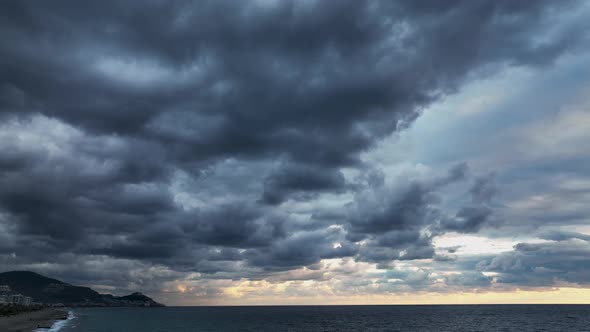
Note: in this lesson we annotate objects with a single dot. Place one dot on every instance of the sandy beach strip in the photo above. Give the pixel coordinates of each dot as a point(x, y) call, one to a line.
point(29, 321)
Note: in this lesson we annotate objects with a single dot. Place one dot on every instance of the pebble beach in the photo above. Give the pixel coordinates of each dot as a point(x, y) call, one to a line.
point(30, 321)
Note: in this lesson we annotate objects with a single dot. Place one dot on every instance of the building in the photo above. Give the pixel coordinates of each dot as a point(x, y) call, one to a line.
point(16, 299)
point(4, 289)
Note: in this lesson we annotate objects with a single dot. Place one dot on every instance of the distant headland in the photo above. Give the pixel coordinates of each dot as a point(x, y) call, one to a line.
point(41, 290)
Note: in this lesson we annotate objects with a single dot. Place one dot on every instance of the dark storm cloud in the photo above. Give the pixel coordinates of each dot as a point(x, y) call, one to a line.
point(66, 194)
point(554, 235)
point(102, 104)
point(469, 219)
point(468, 279)
point(289, 78)
point(301, 178)
point(391, 219)
point(406, 205)
point(304, 248)
point(480, 212)
point(235, 225)
point(483, 189)
point(543, 264)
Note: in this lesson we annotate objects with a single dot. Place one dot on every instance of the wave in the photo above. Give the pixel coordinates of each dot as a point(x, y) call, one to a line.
point(59, 324)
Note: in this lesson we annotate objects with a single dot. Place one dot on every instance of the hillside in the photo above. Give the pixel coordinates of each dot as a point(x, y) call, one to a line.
point(47, 290)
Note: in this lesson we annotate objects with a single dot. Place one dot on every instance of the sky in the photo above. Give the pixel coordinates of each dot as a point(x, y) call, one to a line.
point(299, 152)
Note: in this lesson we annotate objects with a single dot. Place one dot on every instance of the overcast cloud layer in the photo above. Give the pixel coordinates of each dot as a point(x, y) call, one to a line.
point(222, 149)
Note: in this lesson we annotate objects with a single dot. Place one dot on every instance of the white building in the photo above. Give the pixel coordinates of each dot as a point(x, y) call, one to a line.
point(16, 299)
point(4, 288)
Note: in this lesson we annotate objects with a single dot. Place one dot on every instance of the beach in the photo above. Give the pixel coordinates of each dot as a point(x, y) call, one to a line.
point(30, 321)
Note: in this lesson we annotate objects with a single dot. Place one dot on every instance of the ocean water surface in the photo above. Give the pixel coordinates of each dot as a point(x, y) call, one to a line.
point(334, 318)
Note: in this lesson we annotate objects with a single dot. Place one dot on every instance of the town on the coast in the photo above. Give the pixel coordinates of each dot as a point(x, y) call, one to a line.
point(8, 297)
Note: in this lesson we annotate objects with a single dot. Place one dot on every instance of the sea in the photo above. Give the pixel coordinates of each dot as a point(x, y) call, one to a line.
point(470, 318)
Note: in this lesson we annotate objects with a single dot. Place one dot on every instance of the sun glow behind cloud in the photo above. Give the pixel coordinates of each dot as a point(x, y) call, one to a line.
point(309, 293)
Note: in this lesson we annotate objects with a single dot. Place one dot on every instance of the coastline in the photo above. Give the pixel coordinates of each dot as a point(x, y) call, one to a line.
point(30, 321)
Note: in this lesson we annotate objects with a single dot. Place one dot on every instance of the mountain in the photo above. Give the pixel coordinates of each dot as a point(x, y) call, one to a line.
point(47, 290)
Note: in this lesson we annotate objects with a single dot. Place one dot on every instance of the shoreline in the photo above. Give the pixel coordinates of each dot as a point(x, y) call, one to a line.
point(30, 321)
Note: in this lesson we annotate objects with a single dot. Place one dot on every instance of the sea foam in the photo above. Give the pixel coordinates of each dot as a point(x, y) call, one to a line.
point(58, 325)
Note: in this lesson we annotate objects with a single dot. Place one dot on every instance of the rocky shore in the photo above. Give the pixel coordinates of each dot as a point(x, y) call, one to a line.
point(27, 322)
